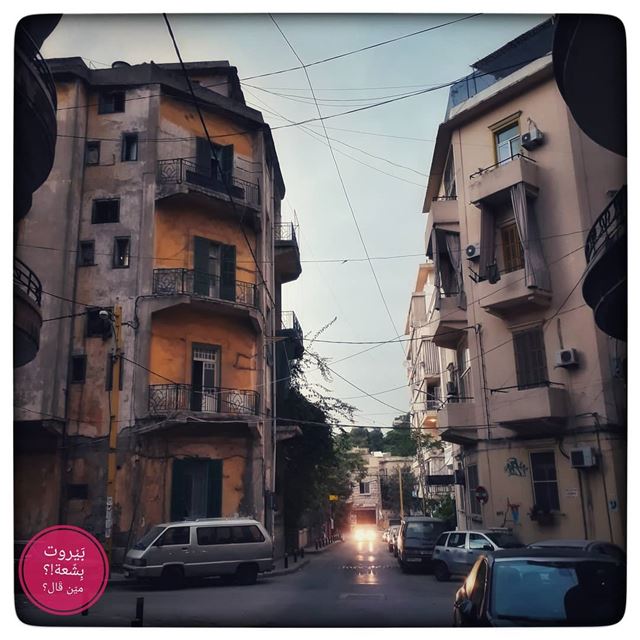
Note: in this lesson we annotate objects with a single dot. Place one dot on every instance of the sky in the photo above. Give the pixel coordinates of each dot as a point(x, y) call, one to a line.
point(383, 155)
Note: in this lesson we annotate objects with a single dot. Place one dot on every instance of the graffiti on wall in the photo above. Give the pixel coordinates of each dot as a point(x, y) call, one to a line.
point(514, 467)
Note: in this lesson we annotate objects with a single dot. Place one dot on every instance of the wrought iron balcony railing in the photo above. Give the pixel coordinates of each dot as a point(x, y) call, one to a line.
point(285, 231)
point(198, 283)
point(610, 225)
point(179, 170)
point(164, 398)
point(30, 49)
point(27, 281)
point(289, 321)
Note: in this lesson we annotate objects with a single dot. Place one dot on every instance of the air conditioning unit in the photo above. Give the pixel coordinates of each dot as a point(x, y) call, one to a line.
point(532, 139)
point(473, 251)
point(583, 458)
point(567, 358)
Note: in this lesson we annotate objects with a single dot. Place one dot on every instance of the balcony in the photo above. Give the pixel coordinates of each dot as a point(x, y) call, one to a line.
point(27, 314)
point(456, 422)
point(187, 286)
point(218, 402)
point(492, 185)
point(534, 411)
point(444, 210)
point(182, 176)
point(448, 323)
point(291, 332)
point(287, 252)
point(35, 131)
point(509, 296)
point(605, 283)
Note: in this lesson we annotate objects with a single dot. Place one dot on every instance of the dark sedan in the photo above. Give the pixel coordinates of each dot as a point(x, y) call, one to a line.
point(541, 587)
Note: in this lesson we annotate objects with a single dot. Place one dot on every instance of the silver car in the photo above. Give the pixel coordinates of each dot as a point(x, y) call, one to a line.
point(234, 548)
point(456, 551)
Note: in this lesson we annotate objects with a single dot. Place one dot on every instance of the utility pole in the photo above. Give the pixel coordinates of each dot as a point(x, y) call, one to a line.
point(114, 404)
point(401, 500)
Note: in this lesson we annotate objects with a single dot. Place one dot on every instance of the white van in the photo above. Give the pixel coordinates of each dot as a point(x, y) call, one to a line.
point(234, 548)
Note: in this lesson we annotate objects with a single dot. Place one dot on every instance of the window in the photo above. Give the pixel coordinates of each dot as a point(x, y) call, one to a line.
point(507, 142)
point(365, 487)
point(214, 270)
point(78, 368)
point(512, 254)
point(96, 326)
point(531, 360)
point(111, 102)
point(442, 540)
point(472, 484)
point(121, 249)
point(543, 476)
point(129, 147)
point(105, 211)
point(92, 153)
point(86, 253)
point(457, 540)
point(78, 492)
point(449, 176)
point(463, 371)
point(478, 542)
point(175, 535)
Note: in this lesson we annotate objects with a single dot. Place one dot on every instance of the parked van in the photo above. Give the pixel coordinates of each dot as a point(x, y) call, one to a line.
point(234, 548)
point(416, 540)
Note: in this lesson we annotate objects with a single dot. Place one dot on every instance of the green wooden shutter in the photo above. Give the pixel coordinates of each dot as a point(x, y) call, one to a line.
point(196, 385)
point(226, 162)
point(214, 486)
point(178, 496)
point(228, 272)
point(201, 276)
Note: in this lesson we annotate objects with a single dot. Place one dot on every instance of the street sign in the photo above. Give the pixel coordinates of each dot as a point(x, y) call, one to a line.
point(108, 517)
point(482, 495)
point(440, 480)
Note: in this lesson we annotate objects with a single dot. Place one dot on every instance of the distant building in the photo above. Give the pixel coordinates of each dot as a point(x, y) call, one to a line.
point(142, 213)
point(535, 402)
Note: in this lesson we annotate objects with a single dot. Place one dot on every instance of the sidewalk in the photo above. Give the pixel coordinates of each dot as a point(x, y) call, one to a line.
point(118, 577)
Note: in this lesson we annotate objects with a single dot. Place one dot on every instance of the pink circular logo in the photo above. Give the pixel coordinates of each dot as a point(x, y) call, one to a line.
point(63, 570)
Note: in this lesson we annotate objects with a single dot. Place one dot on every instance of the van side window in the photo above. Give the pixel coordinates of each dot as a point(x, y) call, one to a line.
point(247, 534)
point(174, 535)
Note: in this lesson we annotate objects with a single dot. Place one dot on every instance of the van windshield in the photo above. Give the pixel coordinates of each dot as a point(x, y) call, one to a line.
point(424, 530)
point(148, 538)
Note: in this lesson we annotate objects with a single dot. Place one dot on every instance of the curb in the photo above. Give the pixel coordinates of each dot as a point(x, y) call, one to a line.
point(284, 572)
point(311, 550)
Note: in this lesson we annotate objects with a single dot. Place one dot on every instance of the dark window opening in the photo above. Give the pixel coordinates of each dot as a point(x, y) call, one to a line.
point(105, 211)
point(473, 483)
point(78, 368)
point(121, 250)
point(78, 492)
point(512, 253)
point(87, 253)
point(531, 360)
point(92, 153)
point(129, 147)
point(111, 102)
point(96, 326)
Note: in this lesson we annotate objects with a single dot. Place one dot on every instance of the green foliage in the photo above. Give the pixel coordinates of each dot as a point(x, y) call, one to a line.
point(390, 491)
point(443, 508)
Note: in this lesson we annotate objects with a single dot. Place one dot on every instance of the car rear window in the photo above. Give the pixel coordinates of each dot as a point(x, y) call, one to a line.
point(228, 535)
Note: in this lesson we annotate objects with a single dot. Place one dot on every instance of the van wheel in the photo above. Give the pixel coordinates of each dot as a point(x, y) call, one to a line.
point(441, 572)
point(246, 574)
point(172, 577)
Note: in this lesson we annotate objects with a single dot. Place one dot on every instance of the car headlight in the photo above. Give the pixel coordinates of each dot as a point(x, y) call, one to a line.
point(138, 562)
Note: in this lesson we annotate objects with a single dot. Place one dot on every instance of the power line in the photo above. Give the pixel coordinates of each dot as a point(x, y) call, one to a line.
point(344, 188)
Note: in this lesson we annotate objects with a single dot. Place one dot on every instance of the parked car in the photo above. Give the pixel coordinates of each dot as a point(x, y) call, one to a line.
point(591, 546)
point(538, 587)
point(385, 535)
point(391, 540)
point(456, 551)
point(416, 541)
point(235, 548)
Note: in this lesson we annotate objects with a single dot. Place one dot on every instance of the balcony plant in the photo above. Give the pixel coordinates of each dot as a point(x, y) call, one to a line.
point(542, 516)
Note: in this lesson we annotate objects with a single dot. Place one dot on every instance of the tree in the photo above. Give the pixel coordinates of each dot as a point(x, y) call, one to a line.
point(398, 442)
point(376, 440)
point(359, 437)
point(390, 491)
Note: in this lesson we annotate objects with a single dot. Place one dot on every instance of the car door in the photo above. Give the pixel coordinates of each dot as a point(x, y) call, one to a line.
point(172, 547)
point(476, 546)
point(454, 552)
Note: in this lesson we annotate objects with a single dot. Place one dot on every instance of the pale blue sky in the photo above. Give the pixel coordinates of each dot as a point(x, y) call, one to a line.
point(388, 209)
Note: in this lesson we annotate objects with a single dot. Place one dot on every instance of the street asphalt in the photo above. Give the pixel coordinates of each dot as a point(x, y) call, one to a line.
point(350, 584)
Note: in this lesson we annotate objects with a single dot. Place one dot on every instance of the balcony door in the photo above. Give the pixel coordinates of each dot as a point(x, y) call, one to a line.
point(214, 269)
point(214, 162)
point(205, 374)
point(196, 489)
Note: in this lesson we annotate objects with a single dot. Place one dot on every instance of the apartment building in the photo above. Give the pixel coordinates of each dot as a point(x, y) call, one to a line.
point(181, 237)
point(428, 368)
point(535, 403)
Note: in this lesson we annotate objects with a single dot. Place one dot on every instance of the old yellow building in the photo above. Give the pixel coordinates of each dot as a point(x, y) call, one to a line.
point(144, 213)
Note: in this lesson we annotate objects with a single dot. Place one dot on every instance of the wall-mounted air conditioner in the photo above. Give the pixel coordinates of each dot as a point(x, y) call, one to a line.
point(583, 458)
point(532, 139)
point(473, 252)
point(567, 358)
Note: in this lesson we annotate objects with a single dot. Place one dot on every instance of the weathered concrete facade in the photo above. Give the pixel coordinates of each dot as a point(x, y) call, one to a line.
point(137, 213)
point(539, 420)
